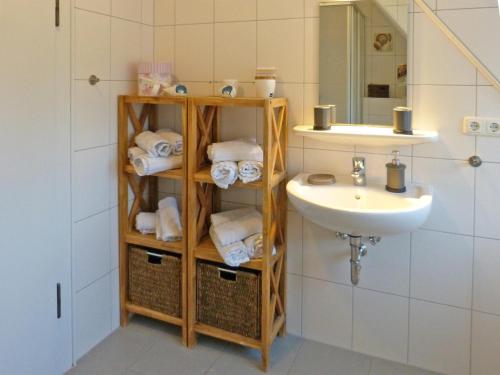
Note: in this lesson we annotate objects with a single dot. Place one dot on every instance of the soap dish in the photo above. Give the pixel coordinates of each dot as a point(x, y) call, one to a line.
point(321, 179)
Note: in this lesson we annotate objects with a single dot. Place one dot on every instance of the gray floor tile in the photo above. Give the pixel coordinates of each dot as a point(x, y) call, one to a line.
point(237, 360)
point(320, 359)
point(383, 367)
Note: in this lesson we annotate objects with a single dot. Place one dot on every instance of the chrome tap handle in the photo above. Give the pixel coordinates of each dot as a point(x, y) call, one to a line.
point(358, 163)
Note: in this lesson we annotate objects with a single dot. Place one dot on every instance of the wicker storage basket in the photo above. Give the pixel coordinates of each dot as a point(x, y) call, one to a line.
point(155, 281)
point(229, 299)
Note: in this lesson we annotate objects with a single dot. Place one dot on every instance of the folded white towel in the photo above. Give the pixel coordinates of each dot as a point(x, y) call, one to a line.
point(239, 228)
point(233, 254)
point(244, 149)
point(250, 171)
point(255, 246)
point(145, 165)
point(174, 139)
point(226, 216)
point(135, 152)
point(153, 144)
point(169, 226)
point(145, 222)
point(224, 173)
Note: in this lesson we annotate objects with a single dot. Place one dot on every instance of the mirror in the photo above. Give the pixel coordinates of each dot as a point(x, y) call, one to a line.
point(363, 58)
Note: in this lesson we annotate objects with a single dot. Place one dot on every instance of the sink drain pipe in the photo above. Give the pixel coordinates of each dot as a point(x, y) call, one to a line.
point(358, 250)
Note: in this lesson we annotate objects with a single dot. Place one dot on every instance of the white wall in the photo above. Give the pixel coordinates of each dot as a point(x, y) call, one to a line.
point(432, 298)
point(109, 38)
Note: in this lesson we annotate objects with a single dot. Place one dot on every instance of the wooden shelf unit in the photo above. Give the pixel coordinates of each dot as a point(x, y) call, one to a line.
point(204, 199)
point(145, 190)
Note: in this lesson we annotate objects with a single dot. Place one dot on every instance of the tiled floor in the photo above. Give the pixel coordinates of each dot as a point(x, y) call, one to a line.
point(147, 347)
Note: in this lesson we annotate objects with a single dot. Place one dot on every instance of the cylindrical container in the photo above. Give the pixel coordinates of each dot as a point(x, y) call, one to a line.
point(333, 114)
point(322, 117)
point(402, 120)
point(396, 175)
point(265, 87)
point(153, 78)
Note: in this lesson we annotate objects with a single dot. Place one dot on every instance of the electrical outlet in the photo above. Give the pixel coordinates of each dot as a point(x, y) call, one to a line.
point(473, 125)
point(492, 126)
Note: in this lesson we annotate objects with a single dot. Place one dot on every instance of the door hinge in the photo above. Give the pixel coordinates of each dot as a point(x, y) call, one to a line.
point(58, 14)
point(59, 314)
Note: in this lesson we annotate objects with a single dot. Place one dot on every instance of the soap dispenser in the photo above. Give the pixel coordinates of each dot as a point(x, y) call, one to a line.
point(395, 175)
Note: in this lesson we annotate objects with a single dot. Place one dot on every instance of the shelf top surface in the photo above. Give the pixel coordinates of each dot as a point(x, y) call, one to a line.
point(205, 100)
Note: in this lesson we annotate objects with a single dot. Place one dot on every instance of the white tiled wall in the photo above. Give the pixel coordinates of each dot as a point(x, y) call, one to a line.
point(431, 298)
point(109, 38)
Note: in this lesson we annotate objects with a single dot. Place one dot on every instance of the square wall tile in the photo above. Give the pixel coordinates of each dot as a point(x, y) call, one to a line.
point(380, 325)
point(164, 44)
point(238, 123)
point(91, 249)
point(453, 200)
point(485, 344)
point(327, 312)
point(117, 88)
point(235, 51)
point(447, 67)
point(324, 256)
point(275, 9)
point(386, 268)
point(164, 12)
point(443, 108)
point(338, 163)
point(487, 207)
point(92, 45)
point(312, 8)
point(441, 268)
point(294, 243)
point(294, 305)
point(114, 244)
point(194, 52)
point(127, 9)
point(100, 6)
point(148, 12)
point(90, 181)
point(280, 43)
point(92, 316)
point(126, 39)
point(115, 295)
point(461, 4)
point(486, 276)
point(194, 11)
point(113, 173)
point(147, 43)
point(488, 100)
point(439, 338)
point(91, 114)
point(295, 162)
point(312, 50)
point(235, 10)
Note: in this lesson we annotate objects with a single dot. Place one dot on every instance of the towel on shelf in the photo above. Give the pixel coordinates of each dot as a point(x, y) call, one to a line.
point(169, 226)
point(153, 144)
point(174, 139)
point(233, 254)
point(145, 222)
point(145, 165)
point(250, 171)
point(239, 228)
point(226, 216)
point(255, 246)
point(243, 149)
point(135, 152)
point(224, 173)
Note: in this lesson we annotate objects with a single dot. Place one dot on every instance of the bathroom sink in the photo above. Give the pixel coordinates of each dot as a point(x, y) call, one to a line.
point(361, 211)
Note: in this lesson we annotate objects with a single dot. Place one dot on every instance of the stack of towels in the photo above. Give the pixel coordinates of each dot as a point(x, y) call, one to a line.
point(237, 235)
point(235, 159)
point(165, 222)
point(156, 152)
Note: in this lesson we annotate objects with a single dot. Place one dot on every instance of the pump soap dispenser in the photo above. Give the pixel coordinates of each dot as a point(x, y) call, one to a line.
point(395, 175)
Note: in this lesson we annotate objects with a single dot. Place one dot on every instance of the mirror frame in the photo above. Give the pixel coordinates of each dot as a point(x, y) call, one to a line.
point(459, 44)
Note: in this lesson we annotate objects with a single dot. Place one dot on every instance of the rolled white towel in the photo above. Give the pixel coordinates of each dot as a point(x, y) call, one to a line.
point(250, 171)
point(174, 139)
point(145, 165)
point(145, 222)
point(135, 152)
point(244, 149)
point(153, 144)
point(224, 173)
point(169, 226)
point(233, 254)
point(239, 228)
point(255, 246)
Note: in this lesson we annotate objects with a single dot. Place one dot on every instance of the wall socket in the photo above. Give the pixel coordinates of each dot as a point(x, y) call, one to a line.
point(481, 126)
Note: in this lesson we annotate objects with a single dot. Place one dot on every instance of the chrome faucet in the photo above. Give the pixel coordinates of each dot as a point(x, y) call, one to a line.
point(358, 171)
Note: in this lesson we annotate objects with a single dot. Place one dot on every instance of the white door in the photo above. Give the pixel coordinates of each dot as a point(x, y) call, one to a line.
point(34, 190)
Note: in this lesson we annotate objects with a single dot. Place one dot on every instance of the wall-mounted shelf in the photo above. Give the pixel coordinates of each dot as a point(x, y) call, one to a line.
point(364, 135)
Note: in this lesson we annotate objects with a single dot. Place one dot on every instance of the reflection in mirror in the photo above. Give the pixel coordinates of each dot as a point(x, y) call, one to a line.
point(363, 58)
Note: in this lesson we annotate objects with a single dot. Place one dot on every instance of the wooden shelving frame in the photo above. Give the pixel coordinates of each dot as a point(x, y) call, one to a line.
point(142, 113)
point(204, 199)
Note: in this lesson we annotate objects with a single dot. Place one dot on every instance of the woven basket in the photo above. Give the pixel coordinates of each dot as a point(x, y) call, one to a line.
point(229, 299)
point(155, 281)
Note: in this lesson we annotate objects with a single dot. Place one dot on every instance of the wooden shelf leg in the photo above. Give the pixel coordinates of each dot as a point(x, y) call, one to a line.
point(265, 359)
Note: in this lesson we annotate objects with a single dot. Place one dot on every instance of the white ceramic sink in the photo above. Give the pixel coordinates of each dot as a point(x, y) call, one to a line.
point(368, 211)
